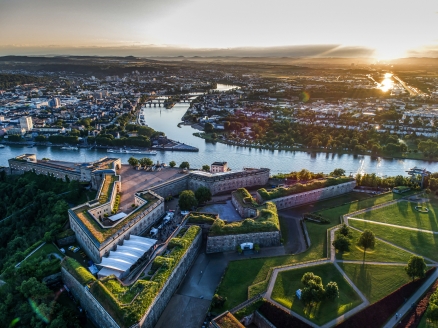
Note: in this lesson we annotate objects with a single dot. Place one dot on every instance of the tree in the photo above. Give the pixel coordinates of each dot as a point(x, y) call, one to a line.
point(184, 165)
point(416, 267)
point(313, 291)
point(33, 288)
point(133, 161)
point(206, 168)
point(145, 161)
point(305, 175)
point(432, 312)
point(187, 200)
point(208, 128)
point(218, 300)
point(172, 164)
point(341, 243)
point(345, 230)
point(331, 291)
point(338, 173)
point(366, 240)
point(203, 194)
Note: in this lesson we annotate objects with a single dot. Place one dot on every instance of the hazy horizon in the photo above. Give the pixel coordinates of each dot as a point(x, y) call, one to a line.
point(372, 29)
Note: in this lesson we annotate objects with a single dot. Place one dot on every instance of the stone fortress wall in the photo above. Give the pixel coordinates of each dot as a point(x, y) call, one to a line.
point(216, 183)
point(228, 243)
point(30, 164)
point(244, 210)
point(102, 319)
point(95, 312)
point(311, 196)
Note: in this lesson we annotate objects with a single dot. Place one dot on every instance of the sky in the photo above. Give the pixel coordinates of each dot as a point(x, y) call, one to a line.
point(383, 29)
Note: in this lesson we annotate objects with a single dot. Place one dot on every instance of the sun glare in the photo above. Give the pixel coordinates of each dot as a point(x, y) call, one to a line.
point(387, 83)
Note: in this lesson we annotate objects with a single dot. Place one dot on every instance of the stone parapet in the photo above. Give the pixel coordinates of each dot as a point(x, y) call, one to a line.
point(312, 195)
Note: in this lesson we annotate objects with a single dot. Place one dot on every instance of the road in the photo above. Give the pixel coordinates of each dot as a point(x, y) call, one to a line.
point(412, 91)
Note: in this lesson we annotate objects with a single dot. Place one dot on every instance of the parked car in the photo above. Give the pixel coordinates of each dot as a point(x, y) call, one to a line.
point(62, 250)
point(76, 249)
point(71, 248)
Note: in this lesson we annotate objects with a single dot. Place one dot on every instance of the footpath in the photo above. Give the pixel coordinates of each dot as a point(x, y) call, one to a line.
point(393, 321)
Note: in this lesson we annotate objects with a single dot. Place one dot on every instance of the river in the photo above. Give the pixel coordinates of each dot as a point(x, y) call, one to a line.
point(166, 120)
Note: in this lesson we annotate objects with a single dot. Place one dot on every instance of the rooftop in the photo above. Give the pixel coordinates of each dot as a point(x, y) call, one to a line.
point(96, 231)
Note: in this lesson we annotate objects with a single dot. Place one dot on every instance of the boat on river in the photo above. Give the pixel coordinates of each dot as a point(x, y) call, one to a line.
point(69, 148)
point(132, 151)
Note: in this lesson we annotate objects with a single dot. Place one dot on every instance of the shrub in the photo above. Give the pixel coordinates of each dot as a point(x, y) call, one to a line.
point(201, 218)
point(78, 271)
point(218, 301)
point(316, 218)
point(299, 188)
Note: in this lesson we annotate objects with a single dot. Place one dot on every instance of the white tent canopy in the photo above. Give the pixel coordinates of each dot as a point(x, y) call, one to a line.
point(126, 255)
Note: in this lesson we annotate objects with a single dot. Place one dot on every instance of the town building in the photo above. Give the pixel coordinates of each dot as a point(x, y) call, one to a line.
point(217, 167)
point(26, 123)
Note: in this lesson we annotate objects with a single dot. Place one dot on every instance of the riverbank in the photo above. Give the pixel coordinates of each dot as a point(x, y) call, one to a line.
point(413, 156)
point(172, 145)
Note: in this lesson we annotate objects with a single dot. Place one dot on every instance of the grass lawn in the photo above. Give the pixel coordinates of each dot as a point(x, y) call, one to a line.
point(382, 252)
point(376, 281)
point(423, 243)
point(283, 229)
point(336, 212)
point(249, 277)
point(252, 274)
point(289, 281)
point(404, 214)
point(47, 249)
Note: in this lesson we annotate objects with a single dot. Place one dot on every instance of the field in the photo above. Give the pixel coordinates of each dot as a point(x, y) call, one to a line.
point(289, 281)
point(376, 281)
point(336, 212)
point(382, 252)
point(405, 214)
point(248, 277)
point(421, 243)
point(46, 250)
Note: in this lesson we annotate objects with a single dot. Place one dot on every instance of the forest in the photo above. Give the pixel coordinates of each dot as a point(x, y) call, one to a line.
point(33, 208)
point(11, 80)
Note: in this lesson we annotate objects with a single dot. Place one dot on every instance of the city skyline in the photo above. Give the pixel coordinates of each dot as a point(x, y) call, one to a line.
point(380, 30)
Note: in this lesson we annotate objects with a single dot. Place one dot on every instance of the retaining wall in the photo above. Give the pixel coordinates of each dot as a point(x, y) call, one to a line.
point(227, 243)
point(154, 312)
point(95, 312)
point(102, 319)
point(311, 196)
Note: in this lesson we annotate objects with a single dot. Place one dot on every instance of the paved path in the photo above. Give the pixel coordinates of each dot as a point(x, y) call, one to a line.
point(402, 311)
point(394, 225)
point(414, 298)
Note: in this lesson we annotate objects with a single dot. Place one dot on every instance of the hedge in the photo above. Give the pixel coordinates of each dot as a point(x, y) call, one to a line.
point(316, 218)
point(78, 271)
point(244, 197)
point(299, 188)
point(378, 313)
point(279, 318)
point(201, 218)
point(65, 233)
point(267, 220)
